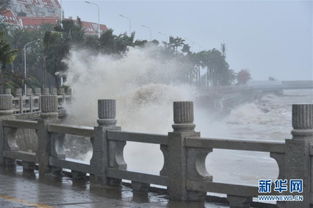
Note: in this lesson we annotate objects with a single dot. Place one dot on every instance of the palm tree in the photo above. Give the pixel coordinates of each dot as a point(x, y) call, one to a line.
point(175, 43)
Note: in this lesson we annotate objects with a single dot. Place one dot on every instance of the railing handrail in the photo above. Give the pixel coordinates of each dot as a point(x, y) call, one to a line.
point(71, 129)
point(235, 144)
point(137, 137)
point(184, 170)
point(17, 123)
point(23, 104)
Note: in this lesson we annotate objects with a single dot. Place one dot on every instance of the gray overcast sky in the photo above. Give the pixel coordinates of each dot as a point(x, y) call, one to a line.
point(270, 38)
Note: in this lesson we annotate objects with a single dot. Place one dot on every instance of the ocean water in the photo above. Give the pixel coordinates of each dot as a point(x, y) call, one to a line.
point(268, 118)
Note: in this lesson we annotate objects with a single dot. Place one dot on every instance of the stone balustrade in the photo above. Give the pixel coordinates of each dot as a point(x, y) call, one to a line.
point(184, 173)
point(30, 103)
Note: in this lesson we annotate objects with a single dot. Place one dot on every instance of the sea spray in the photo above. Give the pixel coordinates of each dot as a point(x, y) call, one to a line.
point(144, 81)
point(144, 85)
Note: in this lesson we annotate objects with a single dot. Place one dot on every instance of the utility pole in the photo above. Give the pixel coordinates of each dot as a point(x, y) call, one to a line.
point(150, 31)
point(25, 62)
point(129, 23)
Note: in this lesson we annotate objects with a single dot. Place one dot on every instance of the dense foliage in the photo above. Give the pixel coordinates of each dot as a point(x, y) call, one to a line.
point(52, 43)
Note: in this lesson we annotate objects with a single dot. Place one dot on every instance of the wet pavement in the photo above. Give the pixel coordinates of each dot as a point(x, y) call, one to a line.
point(21, 191)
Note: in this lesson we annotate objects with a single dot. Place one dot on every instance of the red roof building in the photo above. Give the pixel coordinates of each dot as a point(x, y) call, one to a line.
point(8, 17)
point(92, 28)
point(30, 14)
point(36, 22)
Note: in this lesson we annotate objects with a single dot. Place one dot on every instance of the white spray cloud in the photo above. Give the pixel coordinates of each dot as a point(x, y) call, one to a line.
point(144, 82)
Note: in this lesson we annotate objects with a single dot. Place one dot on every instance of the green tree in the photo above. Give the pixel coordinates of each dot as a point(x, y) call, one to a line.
point(72, 31)
point(116, 44)
point(7, 55)
point(57, 44)
point(175, 43)
point(217, 69)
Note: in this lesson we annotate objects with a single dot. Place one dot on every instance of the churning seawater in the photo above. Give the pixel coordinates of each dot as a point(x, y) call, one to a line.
point(145, 83)
point(268, 118)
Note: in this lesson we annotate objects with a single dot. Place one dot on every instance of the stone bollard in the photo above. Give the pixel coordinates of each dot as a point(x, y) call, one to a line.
point(106, 154)
point(6, 112)
point(29, 100)
point(53, 91)
point(49, 113)
point(68, 95)
point(68, 91)
point(45, 91)
point(37, 91)
point(61, 91)
point(177, 164)
point(8, 91)
point(37, 100)
point(298, 160)
point(29, 91)
point(6, 107)
point(18, 92)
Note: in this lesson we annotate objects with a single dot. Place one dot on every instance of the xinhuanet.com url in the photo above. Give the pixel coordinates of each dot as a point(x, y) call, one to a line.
point(280, 197)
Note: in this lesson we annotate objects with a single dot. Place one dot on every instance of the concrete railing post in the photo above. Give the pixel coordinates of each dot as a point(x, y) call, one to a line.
point(49, 113)
point(68, 96)
point(38, 94)
point(8, 91)
point(29, 91)
point(69, 91)
point(37, 91)
point(19, 93)
point(6, 112)
point(105, 153)
point(53, 91)
point(45, 91)
point(61, 92)
point(298, 160)
point(6, 106)
point(177, 162)
point(29, 94)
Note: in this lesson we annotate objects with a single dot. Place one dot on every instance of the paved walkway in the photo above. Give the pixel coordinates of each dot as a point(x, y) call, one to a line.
point(18, 191)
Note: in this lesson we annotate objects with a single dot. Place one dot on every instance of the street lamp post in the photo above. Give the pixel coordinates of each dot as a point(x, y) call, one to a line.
point(150, 31)
point(89, 2)
point(61, 15)
point(25, 62)
point(129, 23)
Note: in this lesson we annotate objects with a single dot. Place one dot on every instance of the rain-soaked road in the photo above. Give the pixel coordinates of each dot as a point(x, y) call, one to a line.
point(21, 191)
